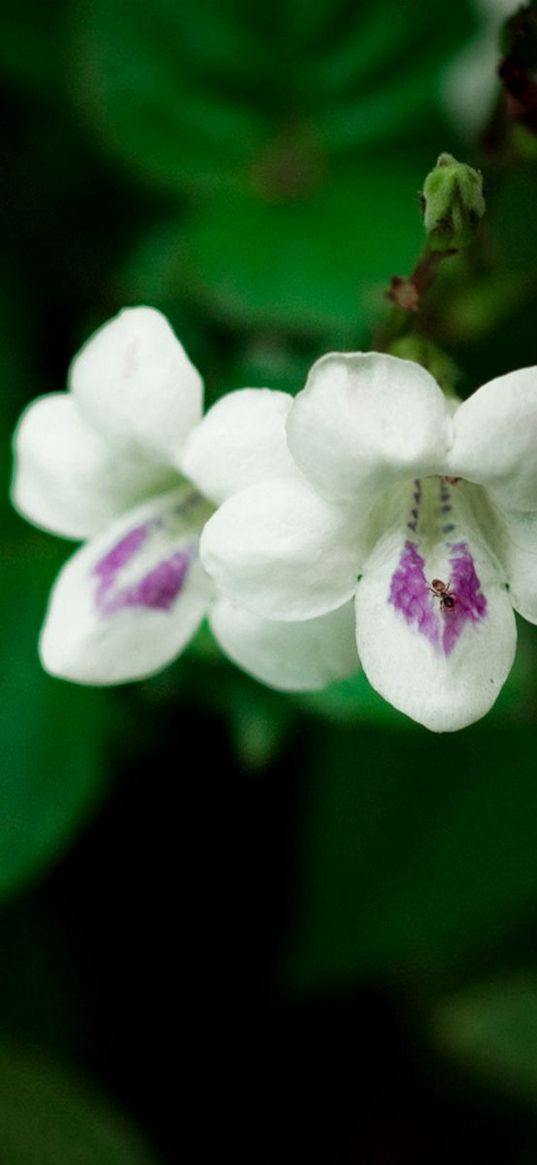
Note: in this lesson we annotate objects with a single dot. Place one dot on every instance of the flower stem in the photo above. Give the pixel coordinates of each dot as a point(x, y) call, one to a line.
point(452, 205)
point(406, 296)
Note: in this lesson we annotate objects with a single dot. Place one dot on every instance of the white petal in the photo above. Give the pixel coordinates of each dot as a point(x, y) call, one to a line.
point(364, 421)
point(281, 551)
point(67, 478)
point(240, 441)
point(495, 438)
point(516, 545)
point(293, 657)
point(128, 602)
point(443, 668)
point(135, 383)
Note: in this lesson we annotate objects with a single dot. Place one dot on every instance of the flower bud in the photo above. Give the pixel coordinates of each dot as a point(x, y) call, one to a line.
point(453, 204)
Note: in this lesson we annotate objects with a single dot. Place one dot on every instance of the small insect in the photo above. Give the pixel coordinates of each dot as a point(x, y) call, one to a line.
point(441, 591)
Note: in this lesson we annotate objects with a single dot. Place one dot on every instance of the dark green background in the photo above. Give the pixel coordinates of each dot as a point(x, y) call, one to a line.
point(278, 928)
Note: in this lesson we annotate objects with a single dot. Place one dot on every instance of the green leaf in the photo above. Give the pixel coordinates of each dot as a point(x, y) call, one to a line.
point(53, 771)
point(387, 45)
point(137, 76)
point(318, 264)
point(48, 1116)
point(492, 1030)
point(418, 850)
point(396, 75)
point(193, 96)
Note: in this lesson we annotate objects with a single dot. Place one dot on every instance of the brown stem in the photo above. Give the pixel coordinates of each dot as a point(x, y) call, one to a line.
point(406, 296)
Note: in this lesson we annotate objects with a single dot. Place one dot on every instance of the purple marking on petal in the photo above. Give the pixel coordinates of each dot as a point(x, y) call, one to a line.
point(157, 590)
point(120, 554)
point(160, 587)
point(470, 603)
point(411, 595)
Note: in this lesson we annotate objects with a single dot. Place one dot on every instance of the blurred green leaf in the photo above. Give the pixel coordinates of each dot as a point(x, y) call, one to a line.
point(16, 371)
point(32, 46)
point(317, 264)
point(387, 44)
point(369, 46)
point(136, 74)
point(192, 96)
point(393, 70)
point(53, 769)
point(492, 1030)
point(418, 850)
point(49, 1117)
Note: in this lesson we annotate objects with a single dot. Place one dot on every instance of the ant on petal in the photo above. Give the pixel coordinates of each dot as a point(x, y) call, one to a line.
point(441, 591)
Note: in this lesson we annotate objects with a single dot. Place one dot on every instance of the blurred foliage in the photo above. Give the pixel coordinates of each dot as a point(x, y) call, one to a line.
point(212, 96)
point(492, 1029)
point(47, 1115)
point(415, 857)
point(255, 174)
point(269, 131)
point(54, 760)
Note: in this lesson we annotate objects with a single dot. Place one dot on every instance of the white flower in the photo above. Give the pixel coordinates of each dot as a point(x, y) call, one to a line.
point(125, 461)
point(428, 519)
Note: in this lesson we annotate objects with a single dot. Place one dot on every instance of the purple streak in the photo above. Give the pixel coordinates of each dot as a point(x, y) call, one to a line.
point(410, 593)
point(471, 604)
point(120, 554)
point(156, 590)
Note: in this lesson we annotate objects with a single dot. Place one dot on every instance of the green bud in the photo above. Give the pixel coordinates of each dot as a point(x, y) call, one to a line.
point(452, 204)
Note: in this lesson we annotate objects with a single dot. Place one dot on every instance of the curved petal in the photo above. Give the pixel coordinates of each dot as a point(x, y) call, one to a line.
point(517, 548)
point(66, 477)
point(136, 385)
point(441, 665)
point(495, 435)
point(128, 602)
point(240, 441)
point(294, 657)
point(280, 551)
point(364, 421)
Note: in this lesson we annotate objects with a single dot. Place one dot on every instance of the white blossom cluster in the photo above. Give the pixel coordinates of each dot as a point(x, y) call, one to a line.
point(366, 521)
